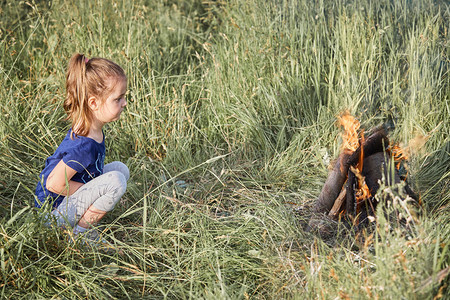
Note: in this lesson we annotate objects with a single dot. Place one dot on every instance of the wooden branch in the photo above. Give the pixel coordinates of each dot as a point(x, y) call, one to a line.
point(338, 204)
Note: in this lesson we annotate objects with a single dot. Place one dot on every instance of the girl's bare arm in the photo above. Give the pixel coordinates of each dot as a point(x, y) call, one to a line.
point(58, 179)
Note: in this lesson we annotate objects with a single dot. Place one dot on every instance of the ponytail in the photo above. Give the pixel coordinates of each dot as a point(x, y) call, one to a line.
point(75, 104)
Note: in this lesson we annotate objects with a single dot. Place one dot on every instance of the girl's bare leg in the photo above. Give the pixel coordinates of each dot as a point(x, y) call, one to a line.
point(91, 217)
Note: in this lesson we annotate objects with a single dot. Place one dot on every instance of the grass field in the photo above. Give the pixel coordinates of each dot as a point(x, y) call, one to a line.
point(239, 99)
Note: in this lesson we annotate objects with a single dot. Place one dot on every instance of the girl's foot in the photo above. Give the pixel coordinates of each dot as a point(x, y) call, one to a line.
point(92, 237)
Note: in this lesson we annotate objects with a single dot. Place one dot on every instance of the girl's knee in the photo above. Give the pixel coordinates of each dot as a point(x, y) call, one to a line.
point(117, 186)
point(118, 182)
point(117, 166)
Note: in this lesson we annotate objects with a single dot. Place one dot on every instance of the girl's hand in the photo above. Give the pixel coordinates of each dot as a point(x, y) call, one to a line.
point(58, 179)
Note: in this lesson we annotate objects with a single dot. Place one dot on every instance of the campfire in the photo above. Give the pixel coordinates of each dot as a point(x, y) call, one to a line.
point(353, 181)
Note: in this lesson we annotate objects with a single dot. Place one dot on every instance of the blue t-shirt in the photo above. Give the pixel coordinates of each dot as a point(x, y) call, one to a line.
point(82, 154)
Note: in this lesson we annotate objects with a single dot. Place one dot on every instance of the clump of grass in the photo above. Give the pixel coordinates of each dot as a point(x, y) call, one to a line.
point(397, 256)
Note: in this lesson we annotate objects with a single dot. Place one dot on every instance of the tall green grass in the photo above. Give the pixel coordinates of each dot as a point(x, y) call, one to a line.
point(239, 99)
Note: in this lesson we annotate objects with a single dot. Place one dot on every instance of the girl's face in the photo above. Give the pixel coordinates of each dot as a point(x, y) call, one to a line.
point(115, 102)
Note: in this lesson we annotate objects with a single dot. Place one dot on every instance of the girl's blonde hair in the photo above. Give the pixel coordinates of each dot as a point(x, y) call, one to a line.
point(85, 78)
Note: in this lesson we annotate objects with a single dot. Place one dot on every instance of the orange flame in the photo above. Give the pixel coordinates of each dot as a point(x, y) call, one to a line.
point(361, 153)
point(351, 140)
point(399, 155)
point(350, 134)
point(362, 191)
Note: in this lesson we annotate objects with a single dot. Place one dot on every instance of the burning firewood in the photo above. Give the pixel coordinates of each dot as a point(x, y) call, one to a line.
point(352, 183)
point(338, 175)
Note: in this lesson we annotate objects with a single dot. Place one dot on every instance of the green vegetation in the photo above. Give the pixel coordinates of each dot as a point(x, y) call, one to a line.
point(239, 99)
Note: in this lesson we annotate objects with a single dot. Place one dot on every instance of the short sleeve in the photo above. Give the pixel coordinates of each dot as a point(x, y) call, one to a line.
point(78, 155)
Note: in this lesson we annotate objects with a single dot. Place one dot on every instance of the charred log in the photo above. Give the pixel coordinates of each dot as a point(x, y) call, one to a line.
point(333, 184)
point(376, 142)
point(373, 169)
point(350, 203)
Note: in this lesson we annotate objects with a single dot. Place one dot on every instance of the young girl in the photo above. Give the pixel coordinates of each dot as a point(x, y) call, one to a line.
point(75, 181)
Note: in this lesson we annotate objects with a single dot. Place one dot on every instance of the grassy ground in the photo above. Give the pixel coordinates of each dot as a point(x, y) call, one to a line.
point(239, 99)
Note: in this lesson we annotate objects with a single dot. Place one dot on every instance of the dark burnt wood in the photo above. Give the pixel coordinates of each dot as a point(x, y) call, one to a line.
point(350, 203)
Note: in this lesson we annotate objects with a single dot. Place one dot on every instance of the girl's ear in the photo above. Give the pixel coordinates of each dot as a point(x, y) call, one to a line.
point(93, 103)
